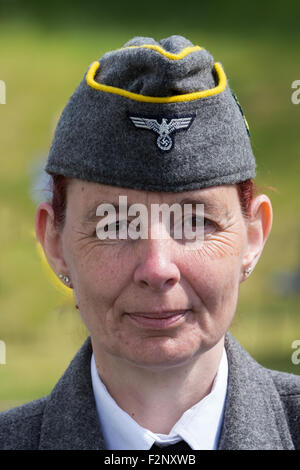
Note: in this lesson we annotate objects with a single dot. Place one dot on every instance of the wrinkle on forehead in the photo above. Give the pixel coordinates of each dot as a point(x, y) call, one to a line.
point(218, 200)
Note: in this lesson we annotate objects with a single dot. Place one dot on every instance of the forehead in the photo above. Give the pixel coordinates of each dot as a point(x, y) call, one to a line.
point(86, 196)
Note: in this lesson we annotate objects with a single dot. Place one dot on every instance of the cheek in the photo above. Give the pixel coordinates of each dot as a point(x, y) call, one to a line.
point(101, 276)
point(215, 280)
point(100, 281)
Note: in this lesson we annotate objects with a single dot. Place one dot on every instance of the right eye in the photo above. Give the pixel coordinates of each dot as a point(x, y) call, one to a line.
point(111, 229)
point(116, 226)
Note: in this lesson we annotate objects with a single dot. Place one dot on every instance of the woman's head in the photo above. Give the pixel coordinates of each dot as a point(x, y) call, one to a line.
point(122, 286)
point(166, 130)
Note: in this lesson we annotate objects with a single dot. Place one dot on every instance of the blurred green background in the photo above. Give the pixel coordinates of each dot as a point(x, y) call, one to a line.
point(45, 48)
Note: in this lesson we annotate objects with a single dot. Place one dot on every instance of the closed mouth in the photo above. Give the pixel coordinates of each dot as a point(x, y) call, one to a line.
point(158, 319)
point(159, 314)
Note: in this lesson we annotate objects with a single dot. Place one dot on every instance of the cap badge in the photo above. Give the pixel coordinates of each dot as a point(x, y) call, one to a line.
point(164, 129)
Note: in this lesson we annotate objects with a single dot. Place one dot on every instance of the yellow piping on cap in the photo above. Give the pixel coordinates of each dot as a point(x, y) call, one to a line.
point(168, 55)
point(222, 82)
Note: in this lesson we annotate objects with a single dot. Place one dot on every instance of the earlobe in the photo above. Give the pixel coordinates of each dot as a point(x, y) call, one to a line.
point(49, 237)
point(259, 226)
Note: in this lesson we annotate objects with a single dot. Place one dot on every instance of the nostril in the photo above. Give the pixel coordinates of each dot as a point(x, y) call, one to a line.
point(158, 283)
point(171, 282)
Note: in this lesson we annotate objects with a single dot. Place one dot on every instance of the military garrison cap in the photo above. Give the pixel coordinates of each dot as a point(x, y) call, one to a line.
point(155, 116)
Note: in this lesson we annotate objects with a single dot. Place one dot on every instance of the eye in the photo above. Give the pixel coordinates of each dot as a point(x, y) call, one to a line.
point(194, 221)
point(209, 226)
point(112, 231)
point(209, 223)
point(116, 226)
point(199, 225)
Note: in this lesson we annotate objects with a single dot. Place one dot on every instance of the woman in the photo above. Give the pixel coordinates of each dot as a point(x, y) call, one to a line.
point(156, 125)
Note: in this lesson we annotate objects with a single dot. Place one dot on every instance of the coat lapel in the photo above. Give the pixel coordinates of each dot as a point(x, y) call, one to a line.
point(253, 415)
point(70, 420)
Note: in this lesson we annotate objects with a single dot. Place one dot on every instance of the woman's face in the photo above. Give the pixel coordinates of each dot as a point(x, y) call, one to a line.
point(155, 302)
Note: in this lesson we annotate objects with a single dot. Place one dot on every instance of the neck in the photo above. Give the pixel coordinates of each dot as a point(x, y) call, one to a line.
point(157, 398)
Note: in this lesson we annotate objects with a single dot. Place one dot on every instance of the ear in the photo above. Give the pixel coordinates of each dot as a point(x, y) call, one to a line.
point(50, 237)
point(259, 226)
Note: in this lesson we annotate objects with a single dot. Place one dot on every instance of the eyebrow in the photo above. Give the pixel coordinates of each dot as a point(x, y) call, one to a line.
point(91, 216)
point(217, 210)
point(209, 206)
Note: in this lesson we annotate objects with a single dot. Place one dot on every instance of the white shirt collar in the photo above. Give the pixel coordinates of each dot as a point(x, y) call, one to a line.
point(199, 426)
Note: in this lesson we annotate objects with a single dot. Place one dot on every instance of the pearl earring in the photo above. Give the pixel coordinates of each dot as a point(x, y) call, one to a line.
point(247, 271)
point(64, 278)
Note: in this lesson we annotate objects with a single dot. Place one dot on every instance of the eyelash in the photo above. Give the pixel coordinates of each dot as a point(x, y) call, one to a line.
point(206, 220)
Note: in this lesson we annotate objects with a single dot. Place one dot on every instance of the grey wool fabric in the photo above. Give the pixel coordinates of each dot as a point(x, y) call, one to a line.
point(262, 410)
point(156, 116)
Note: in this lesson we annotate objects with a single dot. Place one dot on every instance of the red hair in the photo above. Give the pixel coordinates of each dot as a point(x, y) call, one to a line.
point(246, 191)
point(59, 197)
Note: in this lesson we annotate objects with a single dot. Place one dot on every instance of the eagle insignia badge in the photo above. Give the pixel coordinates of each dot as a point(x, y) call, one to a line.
point(164, 129)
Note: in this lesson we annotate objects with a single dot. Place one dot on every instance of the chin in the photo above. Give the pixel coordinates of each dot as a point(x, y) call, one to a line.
point(162, 353)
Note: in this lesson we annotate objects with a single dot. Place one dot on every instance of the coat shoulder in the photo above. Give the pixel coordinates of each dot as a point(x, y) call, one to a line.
point(20, 427)
point(286, 384)
point(288, 387)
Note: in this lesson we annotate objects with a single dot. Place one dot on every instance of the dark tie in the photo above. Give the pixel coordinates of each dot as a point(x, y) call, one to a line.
point(178, 447)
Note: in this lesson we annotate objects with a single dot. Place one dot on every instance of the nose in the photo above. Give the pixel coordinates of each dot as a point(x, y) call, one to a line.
point(156, 270)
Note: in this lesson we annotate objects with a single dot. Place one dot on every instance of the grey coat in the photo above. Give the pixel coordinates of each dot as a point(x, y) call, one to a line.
point(262, 409)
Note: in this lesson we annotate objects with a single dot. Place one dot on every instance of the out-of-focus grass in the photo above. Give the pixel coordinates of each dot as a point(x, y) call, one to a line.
point(41, 69)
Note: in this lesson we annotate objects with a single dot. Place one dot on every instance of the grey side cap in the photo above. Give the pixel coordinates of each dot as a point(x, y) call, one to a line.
point(170, 146)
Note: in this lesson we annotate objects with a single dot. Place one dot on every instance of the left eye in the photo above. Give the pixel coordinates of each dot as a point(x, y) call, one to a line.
point(195, 221)
point(198, 223)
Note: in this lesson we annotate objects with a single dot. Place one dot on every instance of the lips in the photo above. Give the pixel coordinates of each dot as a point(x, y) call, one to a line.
point(159, 319)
